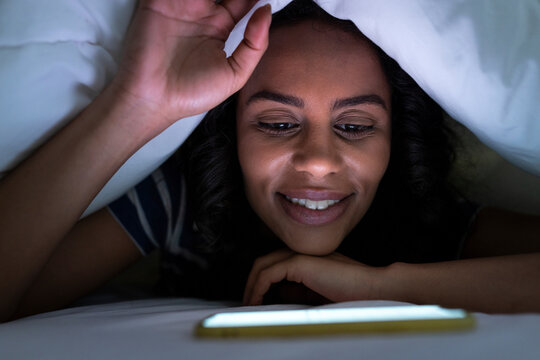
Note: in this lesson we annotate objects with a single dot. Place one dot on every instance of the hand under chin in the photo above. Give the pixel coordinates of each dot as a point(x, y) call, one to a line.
point(287, 292)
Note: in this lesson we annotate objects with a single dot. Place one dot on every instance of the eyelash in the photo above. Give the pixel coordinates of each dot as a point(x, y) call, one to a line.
point(276, 128)
point(350, 131)
point(353, 130)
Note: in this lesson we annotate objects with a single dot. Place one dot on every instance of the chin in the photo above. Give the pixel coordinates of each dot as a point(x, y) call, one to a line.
point(313, 248)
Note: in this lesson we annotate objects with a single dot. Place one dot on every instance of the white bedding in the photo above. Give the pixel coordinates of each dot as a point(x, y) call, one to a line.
point(479, 59)
point(162, 329)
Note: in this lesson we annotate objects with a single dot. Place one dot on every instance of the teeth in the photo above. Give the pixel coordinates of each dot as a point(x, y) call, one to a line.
point(313, 204)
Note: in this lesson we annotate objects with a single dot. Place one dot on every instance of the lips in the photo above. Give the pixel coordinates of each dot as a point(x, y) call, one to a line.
point(314, 194)
point(313, 204)
point(306, 216)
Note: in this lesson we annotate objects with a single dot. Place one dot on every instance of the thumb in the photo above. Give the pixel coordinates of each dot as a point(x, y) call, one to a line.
point(247, 55)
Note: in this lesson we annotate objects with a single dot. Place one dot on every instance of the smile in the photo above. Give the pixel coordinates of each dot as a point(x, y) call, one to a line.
point(312, 204)
point(314, 212)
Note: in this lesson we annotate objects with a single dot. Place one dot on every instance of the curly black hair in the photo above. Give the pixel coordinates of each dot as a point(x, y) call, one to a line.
point(415, 215)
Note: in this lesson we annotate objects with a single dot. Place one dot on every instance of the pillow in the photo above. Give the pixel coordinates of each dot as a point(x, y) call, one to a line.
point(55, 58)
point(479, 60)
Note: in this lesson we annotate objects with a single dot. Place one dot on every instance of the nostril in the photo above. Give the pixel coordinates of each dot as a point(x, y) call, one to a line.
point(317, 155)
point(317, 167)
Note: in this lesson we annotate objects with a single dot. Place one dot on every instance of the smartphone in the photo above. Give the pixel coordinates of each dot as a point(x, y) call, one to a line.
point(326, 321)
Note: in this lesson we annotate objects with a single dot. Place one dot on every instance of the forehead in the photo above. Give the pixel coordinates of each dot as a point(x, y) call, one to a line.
point(319, 57)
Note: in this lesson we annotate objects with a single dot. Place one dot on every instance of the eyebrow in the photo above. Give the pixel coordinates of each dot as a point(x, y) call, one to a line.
point(277, 97)
point(297, 102)
point(372, 99)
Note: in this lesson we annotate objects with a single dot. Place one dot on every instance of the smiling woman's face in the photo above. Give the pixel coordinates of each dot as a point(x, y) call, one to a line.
point(313, 126)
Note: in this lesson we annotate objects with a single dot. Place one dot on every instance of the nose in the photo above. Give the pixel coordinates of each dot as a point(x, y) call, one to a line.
point(317, 153)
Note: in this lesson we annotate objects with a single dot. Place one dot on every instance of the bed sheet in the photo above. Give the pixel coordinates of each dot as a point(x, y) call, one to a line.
point(163, 329)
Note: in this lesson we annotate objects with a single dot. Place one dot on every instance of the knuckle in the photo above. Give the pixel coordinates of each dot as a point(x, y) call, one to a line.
point(258, 263)
point(264, 276)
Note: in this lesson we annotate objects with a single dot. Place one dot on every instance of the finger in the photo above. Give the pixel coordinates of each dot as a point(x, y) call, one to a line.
point(289, 269)
point(237, 8)
point(342, 258)
point(260, 264)
point(246, 56)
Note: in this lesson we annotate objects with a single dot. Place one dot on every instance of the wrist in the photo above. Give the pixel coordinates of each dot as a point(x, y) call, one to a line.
point(391, 283)
point(136, 120)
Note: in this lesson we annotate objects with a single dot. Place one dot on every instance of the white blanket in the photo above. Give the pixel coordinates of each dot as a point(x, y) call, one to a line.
point(163, 329)
point(479, 59)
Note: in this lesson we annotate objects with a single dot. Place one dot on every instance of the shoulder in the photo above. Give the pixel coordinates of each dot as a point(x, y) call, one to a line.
point(154, 211)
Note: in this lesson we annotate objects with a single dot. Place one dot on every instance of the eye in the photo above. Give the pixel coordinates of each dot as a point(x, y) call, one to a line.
point(354, 130)
point(276, 128)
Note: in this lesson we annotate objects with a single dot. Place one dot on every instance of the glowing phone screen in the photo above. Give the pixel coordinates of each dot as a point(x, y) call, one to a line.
point(326, 316)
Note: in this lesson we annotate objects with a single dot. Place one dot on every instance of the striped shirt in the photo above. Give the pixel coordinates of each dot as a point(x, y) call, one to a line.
point(155, 214)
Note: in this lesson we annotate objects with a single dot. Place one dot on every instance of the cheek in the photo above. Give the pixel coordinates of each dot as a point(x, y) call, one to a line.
point(369, 163)
point(381, 157)
point(261, 165)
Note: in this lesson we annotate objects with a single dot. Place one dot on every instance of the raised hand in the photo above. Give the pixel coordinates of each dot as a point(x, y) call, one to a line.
point(173, 66)
point(334, 277)
point(174, 63)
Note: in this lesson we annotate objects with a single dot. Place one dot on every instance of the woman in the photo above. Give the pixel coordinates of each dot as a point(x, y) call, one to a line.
point(415, 181)
point(334, 146)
